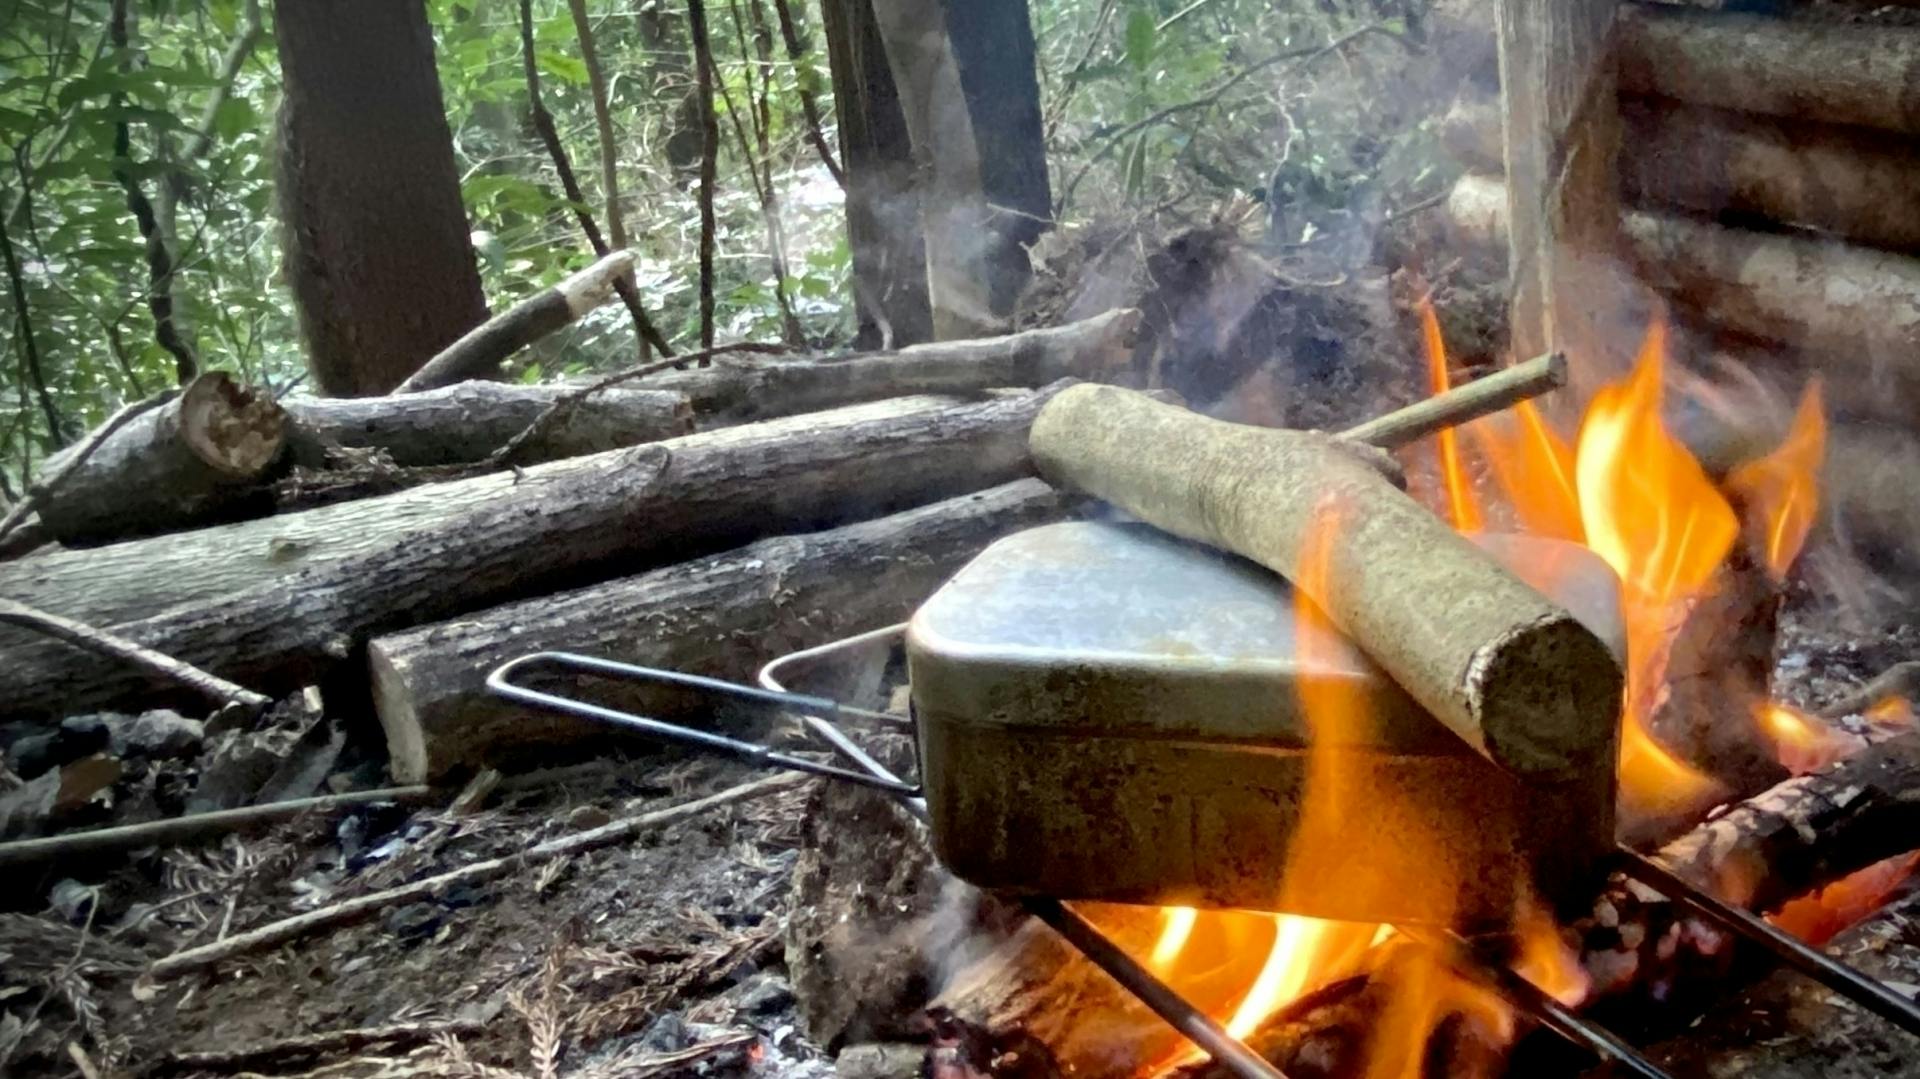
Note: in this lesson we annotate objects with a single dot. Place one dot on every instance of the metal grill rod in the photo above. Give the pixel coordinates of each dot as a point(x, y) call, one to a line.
point(1869, 993)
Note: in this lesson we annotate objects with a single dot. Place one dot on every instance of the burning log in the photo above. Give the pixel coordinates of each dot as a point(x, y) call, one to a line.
point(738, 390)
point(1828, 72)
point(1515, 676)
point(468, 421)
point(1860, 308)
point(186, 461)
point(424, 558)
point(1850, 182)
point(724, 616)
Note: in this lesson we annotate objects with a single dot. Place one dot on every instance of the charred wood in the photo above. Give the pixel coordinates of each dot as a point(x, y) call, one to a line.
point(494, 539)
point(724, 616)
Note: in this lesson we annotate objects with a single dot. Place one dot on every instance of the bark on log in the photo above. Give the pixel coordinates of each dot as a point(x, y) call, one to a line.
point(467, 422)
point(189, 460)
point(1851, 182)
point(739, 390)
point(478, 352)
point(1835, 73)
point(1854, 309)
point(723, 616)
point(1515, 676)
point(493, 540)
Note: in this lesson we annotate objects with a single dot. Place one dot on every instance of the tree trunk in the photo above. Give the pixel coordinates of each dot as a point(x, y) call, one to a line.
point(377, 245)
point(744, 389)
point(466, 422)
point(883, 209)
point(197, 456)
point(497, 539)
point(972, 104)
point(722, 616)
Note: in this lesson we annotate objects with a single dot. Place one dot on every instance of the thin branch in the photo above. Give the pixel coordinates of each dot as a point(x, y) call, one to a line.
point(31, 370)
point(558, 412)
point(603, 121)
point(762, 174)
point(569, 183)
point(174, 187)
point(709, 158)
point(1116, 136)
point(797, 52)
point(38, 493)
point(100, 642)
point(360, 908)
point(159, 257)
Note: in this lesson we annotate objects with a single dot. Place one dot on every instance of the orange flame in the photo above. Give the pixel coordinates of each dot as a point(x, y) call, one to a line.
point(1426, 991)
point(1782, 488)
point(1546, 959)
point(1818, 916)
point(1534, 459)
point(1804, 744)
point(1651, 512)
point(1465, 513)
point(1894, 711)
point(1173, 937)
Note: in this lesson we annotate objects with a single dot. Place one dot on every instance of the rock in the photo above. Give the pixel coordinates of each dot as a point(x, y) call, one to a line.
point(764, 995)
point(588, 817)
point(74, 738)
point(881, 1060)
point(161, 734)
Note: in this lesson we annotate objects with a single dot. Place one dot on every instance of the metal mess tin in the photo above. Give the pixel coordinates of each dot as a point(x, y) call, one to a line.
point(1106, 712)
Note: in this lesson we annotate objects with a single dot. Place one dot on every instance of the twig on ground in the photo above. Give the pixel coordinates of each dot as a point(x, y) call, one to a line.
point(176, 831)
point(41, 491)
point(100, 642)
point(307, 1046)
point(362, 907)
point(556, 413)
point(1900, 681)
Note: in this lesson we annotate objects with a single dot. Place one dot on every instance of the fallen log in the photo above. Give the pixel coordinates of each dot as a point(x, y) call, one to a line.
point(739, 390)
point(183, 463)
point(1828, 72)
point(584, 518)
point(1849, 182)
point(1513, 675)
point(478, 352)
point(467, 422)
point(1795, 837)
point(128, 581)
point(1855, 309)
point(723, 616)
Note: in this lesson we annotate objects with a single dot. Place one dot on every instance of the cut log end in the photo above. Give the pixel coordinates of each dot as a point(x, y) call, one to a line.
point(237, 430)
point(406, 739)
point(1539, 690)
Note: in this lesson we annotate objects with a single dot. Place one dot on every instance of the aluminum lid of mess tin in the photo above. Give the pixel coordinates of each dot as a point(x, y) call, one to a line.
point(1123, 629)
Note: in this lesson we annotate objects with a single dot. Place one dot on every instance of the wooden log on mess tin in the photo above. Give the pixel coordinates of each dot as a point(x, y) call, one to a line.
point(583, 519)
point(723, 616)
point(1515, 676)
point(186, 461)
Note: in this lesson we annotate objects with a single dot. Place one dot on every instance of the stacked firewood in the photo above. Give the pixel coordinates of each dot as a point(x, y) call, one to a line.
point(706, 519)
point(1767, 166)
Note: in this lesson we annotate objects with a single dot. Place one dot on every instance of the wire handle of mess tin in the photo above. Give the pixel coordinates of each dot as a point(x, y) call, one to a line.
point(501, 682)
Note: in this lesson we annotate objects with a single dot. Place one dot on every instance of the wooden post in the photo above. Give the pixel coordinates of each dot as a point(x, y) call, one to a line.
point(1562, 135)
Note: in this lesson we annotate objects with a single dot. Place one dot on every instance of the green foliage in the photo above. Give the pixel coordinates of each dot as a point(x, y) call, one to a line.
point(1149, 103)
